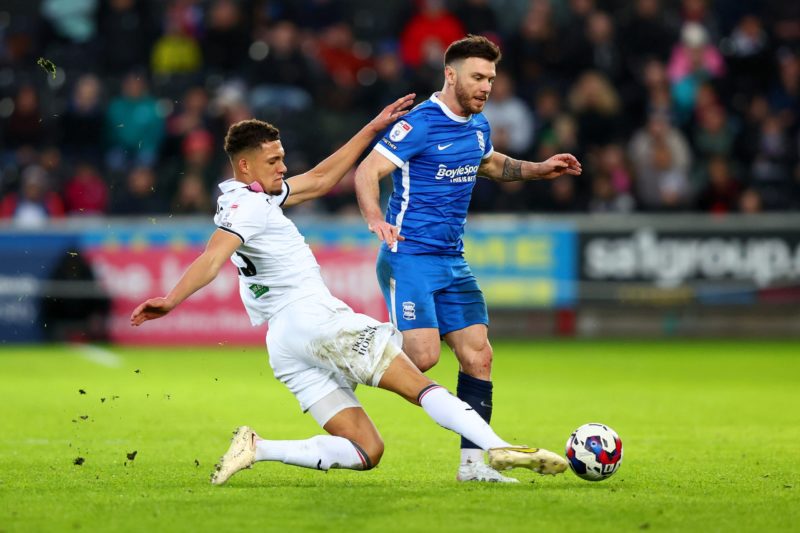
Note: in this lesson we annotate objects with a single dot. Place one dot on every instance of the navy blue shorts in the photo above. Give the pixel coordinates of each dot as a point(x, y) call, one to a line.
point(430, 291)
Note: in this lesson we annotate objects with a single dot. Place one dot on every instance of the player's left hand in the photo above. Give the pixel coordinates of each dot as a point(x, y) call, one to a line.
point(559, 165)
point(152, 308)
point(392, 112)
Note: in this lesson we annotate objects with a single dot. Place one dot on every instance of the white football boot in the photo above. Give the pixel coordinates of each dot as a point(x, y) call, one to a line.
point(539, 460)
point(480, 471)
point(240, 455)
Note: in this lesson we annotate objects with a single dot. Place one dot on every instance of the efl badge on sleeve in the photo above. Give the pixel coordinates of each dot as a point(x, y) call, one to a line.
point(481, 142)
point(400, 130)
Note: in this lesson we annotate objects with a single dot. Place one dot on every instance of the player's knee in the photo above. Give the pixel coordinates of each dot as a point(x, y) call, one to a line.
point(477, 361)
point(423, 356)
point(374, 450)
point(424, 360)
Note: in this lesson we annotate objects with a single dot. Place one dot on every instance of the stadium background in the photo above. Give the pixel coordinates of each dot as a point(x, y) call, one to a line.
point(685, 114)
point(683, 224)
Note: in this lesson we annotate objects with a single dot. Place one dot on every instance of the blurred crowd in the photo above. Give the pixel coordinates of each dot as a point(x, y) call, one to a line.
point(671, 105)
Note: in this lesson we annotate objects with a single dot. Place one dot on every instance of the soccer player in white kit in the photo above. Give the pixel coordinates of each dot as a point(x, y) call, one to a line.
point(318, 347)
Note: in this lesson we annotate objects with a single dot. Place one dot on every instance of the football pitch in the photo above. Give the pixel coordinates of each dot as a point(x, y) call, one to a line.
point(711, 433)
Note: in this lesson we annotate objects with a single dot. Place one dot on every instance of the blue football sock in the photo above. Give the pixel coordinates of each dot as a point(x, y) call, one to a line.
point(477, 393)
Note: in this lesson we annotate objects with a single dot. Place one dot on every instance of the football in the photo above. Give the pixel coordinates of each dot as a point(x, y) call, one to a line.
point(594, 452)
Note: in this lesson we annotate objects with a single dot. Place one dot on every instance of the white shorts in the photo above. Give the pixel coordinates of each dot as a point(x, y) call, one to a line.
point(318, 344)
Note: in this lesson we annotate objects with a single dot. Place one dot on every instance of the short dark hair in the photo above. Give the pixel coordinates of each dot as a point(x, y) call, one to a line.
point(472, 46)
point(249, 134)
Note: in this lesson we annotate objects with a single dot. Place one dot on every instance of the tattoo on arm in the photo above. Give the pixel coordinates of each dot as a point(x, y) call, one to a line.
point(512, 170)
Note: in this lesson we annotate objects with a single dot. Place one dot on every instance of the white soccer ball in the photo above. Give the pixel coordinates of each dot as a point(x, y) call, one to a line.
point(594, 452)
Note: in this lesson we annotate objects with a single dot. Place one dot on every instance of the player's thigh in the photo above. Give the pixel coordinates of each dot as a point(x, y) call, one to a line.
point(354, 424)
point(408, 283)
point(461, 303)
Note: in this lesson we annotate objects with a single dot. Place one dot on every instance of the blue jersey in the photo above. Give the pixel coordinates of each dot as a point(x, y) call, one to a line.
point(437, 154)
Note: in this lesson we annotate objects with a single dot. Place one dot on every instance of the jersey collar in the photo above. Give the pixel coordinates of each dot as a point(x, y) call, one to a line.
point(232, 184)
point(446, 110)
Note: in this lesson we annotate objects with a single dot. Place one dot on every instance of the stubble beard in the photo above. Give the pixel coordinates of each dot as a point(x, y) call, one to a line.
point(464, 99)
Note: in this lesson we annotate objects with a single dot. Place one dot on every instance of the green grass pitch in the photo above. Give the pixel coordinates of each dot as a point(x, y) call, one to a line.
point(710, 430)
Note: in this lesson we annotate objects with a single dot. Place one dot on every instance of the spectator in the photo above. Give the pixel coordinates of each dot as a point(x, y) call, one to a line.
point(284, 77)
point(611, 163)
point(534, 52)
point(721, 194)
point(595, 104)
point(661, 159)
point(226, 39)
point(605, 53)
point(139, 196)
point(714, 136)
point(85, 192)
point(35, 203)
point(25, 127)
point(176, 52)
point(134, 126)
point(605, 199)
point(192, 197)
point(509, 115)
point(750, 202)
point(127, 31)
point(749, 58)
point(391, 82)
point(577, 49)
point(83, 122)
point(771, 168)
point(694, 61)
point(190, 114)
point(648, 32)
point(478, 18)
point(431, 26)
point(339, 56)
point(784, 96)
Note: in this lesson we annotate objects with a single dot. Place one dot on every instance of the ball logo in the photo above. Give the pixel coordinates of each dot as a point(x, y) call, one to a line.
point(409, 311)
point(400, 130)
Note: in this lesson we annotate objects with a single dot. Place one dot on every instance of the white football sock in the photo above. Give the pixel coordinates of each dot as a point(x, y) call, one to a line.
point(456, 415)
point(471, 455)
point(322, 452)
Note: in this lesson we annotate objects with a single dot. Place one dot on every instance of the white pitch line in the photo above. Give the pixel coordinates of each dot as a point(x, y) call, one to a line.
point(98, 355)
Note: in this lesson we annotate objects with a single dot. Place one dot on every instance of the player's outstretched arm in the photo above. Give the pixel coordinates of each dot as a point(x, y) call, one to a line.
point(321, 179)
point(500, 167)
point(368, 175)
point(200, 273)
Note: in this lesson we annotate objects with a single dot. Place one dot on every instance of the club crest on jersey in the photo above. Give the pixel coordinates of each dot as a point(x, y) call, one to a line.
point(481, 142)
point(409, 311)
point(400, 130)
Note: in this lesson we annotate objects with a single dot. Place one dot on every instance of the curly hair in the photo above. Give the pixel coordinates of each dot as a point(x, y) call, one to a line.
point(472, 46)
point(249, 134)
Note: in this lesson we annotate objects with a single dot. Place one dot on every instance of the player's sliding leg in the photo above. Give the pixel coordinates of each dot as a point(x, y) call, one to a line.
point(354, 444)
point(403, 378)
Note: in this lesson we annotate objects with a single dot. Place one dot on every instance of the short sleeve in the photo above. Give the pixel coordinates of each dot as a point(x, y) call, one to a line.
point(403, 140)
point(284, 194)
point(245, 217)
point(488, 146)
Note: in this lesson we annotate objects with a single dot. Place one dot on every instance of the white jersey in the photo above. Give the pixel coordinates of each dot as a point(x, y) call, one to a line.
point(276, 266)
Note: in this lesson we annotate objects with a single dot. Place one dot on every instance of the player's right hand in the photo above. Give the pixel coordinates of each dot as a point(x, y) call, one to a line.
point(386, 232)
point(152, 308)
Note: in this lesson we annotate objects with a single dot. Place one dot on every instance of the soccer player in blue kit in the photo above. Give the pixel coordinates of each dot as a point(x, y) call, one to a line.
point(434, 154)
